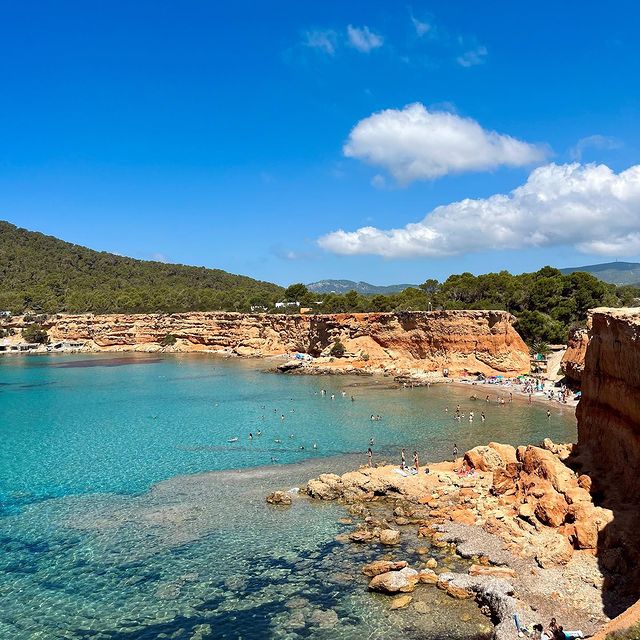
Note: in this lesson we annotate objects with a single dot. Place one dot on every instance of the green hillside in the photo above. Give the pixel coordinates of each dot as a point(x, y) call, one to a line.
point(618, 273)
point(44, 274)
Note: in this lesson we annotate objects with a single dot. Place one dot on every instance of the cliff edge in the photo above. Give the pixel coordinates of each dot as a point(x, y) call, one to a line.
point(460, 341)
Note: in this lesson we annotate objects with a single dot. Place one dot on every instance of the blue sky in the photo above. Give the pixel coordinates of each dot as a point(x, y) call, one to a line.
point(260, 137)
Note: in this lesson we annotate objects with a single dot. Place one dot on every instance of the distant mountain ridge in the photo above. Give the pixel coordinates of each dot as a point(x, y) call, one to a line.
point(618, 273)
point(363, 288)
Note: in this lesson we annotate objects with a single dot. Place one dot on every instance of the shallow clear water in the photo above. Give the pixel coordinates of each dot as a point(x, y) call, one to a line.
point(104, 536)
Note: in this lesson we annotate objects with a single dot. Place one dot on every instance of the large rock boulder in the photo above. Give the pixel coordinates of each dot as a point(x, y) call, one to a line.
point(403, 581)
point(326, 487)
point(552, 509)
point(484, 459)
point(588, 522)
point(382, 566)
point(546, 465)
point(505, 451)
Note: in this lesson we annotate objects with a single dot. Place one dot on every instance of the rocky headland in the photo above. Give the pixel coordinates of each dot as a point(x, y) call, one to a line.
point(549, 530)
point(408, 342)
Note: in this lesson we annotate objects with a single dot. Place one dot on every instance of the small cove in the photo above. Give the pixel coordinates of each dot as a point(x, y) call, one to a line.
point(127, 514)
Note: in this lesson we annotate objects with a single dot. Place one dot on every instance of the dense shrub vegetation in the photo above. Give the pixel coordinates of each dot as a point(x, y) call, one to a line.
point(35, 333)
point(43, 275)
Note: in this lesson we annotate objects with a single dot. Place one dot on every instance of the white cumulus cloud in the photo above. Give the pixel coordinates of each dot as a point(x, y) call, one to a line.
point(417, 144)
point(589, 207)
point(363, 39)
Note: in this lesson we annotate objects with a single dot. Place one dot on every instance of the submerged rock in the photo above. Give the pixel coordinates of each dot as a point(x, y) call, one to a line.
point(400, 602)
point(382, 566)
point(279, 497)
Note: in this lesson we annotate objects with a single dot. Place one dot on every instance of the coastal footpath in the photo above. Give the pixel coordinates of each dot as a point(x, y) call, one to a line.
point(462, 342)
point(550, 531)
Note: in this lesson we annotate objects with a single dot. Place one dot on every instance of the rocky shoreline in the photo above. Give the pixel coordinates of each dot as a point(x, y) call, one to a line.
point(523, 518)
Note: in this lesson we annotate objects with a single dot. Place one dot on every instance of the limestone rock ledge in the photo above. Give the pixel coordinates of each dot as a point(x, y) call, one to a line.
point(461, 341)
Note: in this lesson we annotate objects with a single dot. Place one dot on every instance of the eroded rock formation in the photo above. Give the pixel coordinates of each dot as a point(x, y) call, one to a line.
point(572, 363)
point(609, 411)
point(609, 445)
point(461, 341)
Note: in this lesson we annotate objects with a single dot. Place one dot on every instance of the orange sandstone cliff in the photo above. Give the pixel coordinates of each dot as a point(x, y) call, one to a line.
point(609, 445)
point(462, 341)
point(609, 411)
point(572, 363)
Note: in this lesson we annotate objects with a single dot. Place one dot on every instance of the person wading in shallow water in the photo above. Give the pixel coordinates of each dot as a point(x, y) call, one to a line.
point(403, 460)
point(370, 456)
point(416, 462)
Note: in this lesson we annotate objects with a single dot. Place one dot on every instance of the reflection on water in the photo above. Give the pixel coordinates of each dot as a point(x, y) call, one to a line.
point(92, 548)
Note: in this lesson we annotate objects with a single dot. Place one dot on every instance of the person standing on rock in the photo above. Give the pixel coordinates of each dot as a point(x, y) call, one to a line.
point(416, 462)
point(370, 456)
point(403, 460)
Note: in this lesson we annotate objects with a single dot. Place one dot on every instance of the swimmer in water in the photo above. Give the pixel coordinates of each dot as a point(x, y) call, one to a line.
point(250, 436)
point(258, 432)
point(282, 417)
point(483, 416)
point(371, 442)
point(315, 445)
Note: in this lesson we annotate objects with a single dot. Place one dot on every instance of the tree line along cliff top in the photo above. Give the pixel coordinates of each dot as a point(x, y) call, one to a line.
point(43, 274)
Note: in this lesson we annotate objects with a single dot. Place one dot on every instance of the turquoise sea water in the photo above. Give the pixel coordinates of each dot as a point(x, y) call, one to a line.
point(105, 535)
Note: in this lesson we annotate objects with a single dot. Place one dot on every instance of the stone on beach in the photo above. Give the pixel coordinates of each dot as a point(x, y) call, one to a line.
point(361, 535)
point(389, 537)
